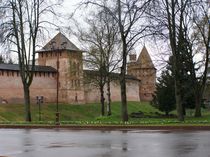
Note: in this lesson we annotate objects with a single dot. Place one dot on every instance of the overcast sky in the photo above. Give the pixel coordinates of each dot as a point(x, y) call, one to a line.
point(70, 5)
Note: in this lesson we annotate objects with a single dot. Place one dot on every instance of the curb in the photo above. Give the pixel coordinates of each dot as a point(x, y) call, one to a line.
point(105, 127)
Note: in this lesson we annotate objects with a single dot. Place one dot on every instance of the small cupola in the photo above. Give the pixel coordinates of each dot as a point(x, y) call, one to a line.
point(132, 56)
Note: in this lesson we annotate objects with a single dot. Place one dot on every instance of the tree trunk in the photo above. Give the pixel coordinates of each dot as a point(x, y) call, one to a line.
point(123, 68)
point(167, 113)
point(109, 97)
point(123, 90)
point(197, 105)
point(179, 107)
point(184, 109)
point(124, 100)
point(27, 103)
point(102, 99)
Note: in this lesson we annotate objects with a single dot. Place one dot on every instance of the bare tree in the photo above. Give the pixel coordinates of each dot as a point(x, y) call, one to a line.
point(201, 41)
point(22, 23)
point(132, 27)
point(101, 38)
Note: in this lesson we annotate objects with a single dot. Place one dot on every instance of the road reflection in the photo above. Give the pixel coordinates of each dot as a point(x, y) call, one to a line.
point(81, 143)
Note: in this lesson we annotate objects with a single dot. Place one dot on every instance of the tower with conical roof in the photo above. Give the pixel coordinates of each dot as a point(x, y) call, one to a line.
point(144, 69)
point(60, 50)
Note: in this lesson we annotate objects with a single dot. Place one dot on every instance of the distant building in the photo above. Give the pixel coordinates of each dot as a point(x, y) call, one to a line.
point(145, 71)
point(73, 88)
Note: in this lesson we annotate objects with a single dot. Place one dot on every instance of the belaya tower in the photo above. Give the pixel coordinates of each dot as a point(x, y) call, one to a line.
point(62, 51)
point(145, 71)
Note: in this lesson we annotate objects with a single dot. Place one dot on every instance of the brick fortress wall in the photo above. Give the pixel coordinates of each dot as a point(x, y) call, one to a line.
point(72, 87)
point(92, 93)
point(11, 88)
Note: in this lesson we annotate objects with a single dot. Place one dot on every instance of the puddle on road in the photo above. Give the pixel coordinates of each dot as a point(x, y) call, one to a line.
point(60, 145)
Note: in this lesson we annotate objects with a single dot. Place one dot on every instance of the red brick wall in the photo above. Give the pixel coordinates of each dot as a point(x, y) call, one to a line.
point(11, 89)
point(92, 94)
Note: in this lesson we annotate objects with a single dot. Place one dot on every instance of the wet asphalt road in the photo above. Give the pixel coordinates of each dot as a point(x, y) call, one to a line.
point(83, 143)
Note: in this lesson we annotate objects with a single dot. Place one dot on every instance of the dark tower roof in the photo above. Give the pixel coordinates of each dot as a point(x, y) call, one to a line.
point(144, 59)
point(59, 42)
point(38, 68)
point(93, 73)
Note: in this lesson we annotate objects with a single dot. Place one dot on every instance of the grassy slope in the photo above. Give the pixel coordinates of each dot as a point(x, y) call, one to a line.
point(91, 113)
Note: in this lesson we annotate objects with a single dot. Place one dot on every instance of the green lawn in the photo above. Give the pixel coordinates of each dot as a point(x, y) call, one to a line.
point(90, 114)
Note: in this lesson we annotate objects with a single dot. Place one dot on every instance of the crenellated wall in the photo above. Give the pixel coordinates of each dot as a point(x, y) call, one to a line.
point(11, 88)
point(71, 83)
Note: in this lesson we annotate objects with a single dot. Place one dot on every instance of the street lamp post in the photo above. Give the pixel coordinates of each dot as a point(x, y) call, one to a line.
point(58, 52)
point(57, 114)
point(57, 120)
point(40, 100)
